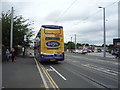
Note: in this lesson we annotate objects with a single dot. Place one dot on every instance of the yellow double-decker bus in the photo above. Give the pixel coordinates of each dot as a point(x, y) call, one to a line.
point(49, 43)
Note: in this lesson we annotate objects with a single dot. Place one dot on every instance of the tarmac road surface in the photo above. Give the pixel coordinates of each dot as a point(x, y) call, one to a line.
point(76, 71)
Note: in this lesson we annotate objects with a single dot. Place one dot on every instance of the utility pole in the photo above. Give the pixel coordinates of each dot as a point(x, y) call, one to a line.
point(75, 41)
point(24, 47)
point(71, 44)
point(11, 31)
point(119, 28)
point(104, 32)
point(104, 54)
point(118, 20)
point(71, 39)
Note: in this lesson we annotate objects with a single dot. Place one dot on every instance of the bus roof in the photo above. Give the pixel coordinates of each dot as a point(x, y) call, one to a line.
point(52, 26)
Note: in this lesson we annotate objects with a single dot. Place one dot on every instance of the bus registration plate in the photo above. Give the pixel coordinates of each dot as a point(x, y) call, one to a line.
point(52, 60)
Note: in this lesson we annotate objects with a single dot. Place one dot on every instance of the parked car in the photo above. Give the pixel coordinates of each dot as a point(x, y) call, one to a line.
point(80, 51)
point(77, 51)
point(89, 51)
point(99, 50)
point(84, 52)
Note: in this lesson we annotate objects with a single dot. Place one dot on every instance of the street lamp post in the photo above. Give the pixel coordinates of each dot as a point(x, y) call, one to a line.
point(104, 31)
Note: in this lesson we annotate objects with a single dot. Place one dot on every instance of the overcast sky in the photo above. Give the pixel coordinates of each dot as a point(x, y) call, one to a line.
point(80, 17)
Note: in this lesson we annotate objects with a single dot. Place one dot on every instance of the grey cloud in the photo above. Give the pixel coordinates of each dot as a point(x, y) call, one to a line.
point(53, 16)
point(87, 38)
point(60, 17)
point(80, 19)
point(92, 33)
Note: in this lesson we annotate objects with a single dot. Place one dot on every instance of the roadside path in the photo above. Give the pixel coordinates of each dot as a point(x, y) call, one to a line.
point(22, 73)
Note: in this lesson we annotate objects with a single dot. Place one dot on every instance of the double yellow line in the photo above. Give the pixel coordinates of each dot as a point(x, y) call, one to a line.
point(51, 81)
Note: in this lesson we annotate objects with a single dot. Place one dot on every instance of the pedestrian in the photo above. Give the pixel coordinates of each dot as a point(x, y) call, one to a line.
point(7, 54)
point(117, 54)
point(13, 55)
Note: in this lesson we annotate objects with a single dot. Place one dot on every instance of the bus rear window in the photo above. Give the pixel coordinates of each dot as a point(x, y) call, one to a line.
point(52, 38)
point(49, 31)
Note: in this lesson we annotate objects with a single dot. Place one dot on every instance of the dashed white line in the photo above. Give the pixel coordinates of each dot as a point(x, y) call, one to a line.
point(50, 70)
point(58, 73)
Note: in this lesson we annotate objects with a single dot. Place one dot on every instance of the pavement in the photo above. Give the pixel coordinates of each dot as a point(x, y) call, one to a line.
point(21, 73)
point(100, 54)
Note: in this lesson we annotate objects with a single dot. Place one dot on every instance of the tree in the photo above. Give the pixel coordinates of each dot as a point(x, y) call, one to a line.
point(87, 45)
point(21, 27)
point(78, 45)
point(70, 46)
point(65, 46)
point(105, 45)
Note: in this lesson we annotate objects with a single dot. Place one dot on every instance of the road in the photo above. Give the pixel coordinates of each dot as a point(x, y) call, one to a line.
point(80, 71)
point(76, 71)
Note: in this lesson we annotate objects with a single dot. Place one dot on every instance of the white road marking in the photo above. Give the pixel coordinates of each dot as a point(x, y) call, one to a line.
point(49, 69)
point(43, 79)
point(75, 61)
point(101, 69)
point(59, 73)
